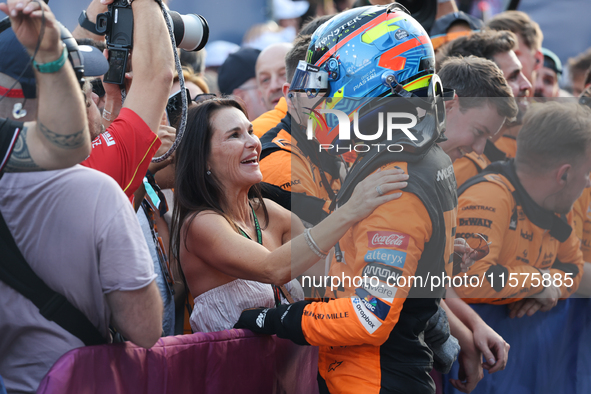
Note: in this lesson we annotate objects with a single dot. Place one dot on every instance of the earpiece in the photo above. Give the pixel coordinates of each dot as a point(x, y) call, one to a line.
point(290, 95)
point(18, 111)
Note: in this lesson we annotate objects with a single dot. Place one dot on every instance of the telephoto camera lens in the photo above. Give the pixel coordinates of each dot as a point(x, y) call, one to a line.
point(191, 31)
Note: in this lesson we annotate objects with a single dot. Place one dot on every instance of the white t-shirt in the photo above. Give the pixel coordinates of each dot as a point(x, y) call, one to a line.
point(79, 233)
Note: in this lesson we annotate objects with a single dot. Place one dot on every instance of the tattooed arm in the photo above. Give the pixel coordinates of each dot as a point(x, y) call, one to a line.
point(59, 138)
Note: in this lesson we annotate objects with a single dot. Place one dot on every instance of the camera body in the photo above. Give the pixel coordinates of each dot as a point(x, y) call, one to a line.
point(191, 32)
point(117, 25)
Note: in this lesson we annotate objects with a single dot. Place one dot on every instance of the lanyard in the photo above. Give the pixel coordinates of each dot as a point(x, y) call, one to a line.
point(257, 227)
point(160, 250)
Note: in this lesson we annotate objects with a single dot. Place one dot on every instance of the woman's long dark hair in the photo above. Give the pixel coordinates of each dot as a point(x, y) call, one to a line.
point(195, 191)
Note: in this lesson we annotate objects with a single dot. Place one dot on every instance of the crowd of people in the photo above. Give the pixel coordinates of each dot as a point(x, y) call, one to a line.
point(278, 181)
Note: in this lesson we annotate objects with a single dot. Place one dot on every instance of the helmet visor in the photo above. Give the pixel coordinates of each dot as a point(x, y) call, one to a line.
point(309, 79)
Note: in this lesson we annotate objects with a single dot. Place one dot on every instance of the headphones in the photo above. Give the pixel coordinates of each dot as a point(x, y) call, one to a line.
point(18, 111)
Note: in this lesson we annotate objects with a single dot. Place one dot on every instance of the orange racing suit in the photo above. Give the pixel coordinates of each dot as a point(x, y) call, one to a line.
point(524, 238)
point(371, 338)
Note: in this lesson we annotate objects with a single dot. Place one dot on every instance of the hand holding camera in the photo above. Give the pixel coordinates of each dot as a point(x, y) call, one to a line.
point(190, 33)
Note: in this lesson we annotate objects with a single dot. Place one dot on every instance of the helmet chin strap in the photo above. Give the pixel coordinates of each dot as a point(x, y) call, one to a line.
point(395, 87)
point(290, 96)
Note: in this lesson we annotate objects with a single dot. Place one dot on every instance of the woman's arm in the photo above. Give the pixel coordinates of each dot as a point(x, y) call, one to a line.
point(211, 238)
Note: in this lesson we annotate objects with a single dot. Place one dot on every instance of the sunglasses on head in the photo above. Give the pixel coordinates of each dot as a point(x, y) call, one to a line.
point(480, 249)
point(204, 97)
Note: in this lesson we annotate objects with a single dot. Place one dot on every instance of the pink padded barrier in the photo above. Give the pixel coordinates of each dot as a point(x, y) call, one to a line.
point(231, 361)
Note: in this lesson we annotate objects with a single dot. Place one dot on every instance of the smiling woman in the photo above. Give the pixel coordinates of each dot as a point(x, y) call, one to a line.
point(233, 247)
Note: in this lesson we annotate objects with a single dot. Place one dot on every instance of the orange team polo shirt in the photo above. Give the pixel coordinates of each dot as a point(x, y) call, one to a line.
point(582, 225)
point(507, 144)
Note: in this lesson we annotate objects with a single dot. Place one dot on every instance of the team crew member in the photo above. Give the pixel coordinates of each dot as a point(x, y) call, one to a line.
point(480, 87)
point(582, 218)
point(582, 227)
point(377, 326)
point(522, 208)
point(294, 163)
point(498, 47)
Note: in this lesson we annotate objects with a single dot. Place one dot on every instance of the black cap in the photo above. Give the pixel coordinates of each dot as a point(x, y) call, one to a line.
point(238, 68)
point(442, 24)
point(15, 59)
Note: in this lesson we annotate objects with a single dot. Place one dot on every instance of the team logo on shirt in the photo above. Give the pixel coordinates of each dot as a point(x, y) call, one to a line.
point(445, 173)
point(479, 208)
point(527, 235)
point(375, 239)
point(480, 222)
point(261, 318)
point(376, 306)
point(382, 272)
point(334, 365)
point(389, 257)
point(368, 320)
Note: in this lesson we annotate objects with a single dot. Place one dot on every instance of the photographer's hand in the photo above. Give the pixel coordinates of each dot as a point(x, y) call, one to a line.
point(94, 8)
point(113, 100)
point(152, 63)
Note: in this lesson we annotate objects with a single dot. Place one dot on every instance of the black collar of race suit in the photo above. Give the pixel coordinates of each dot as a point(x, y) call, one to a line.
point(370, 162)
point(543, 218)
point(493, 153)
point(311, 148)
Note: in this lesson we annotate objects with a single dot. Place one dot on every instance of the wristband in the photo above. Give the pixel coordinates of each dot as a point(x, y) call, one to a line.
point(54, 66)
point(86, 24)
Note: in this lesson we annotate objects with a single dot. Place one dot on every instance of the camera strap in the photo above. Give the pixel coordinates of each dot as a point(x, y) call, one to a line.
point(18, 274)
